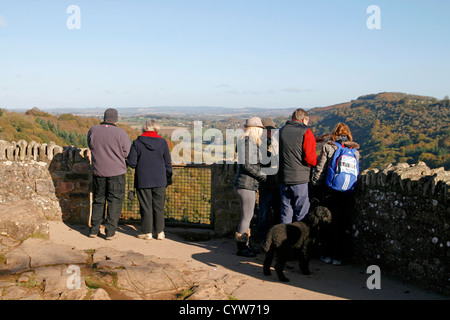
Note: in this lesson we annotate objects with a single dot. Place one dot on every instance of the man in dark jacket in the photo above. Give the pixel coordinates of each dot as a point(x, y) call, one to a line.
point(109, 147)
point(297, 157)
point(269, 190)
point(150, 157)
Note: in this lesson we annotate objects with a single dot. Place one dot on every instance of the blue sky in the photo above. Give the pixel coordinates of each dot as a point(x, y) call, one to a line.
point(230, 53)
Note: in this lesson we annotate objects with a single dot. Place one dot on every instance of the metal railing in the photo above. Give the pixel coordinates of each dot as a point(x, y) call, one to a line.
point(188, 199)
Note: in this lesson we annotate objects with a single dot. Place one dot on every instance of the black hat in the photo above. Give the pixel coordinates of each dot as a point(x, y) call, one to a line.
point(268, 123)
point(111, 115)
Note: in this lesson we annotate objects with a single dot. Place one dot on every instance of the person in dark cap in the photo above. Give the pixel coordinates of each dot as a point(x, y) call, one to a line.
point(269, 190)
point(111, 115)
point(109, 146)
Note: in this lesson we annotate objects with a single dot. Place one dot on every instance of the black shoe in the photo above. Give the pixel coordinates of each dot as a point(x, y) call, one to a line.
point(254, 250)
point(244, 251)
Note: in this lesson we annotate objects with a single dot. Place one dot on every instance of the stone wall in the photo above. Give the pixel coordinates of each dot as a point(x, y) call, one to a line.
point(402, 223)
point(54, 178)
point(401, 220)
point(225, 210)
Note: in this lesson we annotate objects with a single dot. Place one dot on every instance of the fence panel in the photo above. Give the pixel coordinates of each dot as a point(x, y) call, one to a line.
point(188, 199)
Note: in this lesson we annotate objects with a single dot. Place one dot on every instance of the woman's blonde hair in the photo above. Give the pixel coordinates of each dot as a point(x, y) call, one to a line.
point(254, 133)
point(341, 129)
point(151, 125)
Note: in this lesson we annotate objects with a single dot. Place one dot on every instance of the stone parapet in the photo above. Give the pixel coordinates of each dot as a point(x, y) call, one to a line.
point(417, 179)
point(224, 202)
point(55, 178)
point(402, 223)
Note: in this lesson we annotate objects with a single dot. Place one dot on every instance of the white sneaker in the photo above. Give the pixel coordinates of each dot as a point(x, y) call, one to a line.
point(145, 236)
point(161, 235)
point(325, 259)
point(337, 262)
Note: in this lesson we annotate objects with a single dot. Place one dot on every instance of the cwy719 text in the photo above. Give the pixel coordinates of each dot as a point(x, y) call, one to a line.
point(228, 309)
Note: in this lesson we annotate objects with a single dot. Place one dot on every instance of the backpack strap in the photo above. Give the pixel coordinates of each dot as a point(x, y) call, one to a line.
point(338, 144)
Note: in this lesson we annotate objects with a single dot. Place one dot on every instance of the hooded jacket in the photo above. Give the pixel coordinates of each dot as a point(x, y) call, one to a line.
point(326, 155)
point(150, 156)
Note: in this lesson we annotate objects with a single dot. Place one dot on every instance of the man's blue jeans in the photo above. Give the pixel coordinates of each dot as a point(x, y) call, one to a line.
point(294, 202)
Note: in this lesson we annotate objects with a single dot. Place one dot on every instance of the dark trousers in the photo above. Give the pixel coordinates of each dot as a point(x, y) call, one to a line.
point(269, 199)
point(151, 204)
point(334, 236)
point(110, 191)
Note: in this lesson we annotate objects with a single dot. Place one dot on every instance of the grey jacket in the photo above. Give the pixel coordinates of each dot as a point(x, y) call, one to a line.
point(109, 146)
point(325, 158)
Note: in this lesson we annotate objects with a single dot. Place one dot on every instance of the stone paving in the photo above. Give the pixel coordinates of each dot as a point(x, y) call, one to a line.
point(41, 270)
point(58, 261)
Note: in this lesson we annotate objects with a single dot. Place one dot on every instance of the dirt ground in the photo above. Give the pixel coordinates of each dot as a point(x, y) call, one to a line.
point(327, 282)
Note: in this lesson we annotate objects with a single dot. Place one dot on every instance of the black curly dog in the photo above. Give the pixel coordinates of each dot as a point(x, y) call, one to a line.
point(297, 235)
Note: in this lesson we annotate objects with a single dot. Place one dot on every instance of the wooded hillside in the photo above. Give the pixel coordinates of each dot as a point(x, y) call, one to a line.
point(393, 127)
point(65, 129)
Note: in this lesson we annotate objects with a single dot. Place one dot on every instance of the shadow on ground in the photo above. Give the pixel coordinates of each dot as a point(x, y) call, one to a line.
point(345, 282)
point(325, 282)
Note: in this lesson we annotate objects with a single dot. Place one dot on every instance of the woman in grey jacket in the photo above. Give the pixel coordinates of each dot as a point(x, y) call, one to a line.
point(327, 153)
point(339, 203)
point(247, 181)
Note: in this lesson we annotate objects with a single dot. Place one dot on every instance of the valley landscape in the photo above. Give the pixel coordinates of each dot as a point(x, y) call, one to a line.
point(390, 127)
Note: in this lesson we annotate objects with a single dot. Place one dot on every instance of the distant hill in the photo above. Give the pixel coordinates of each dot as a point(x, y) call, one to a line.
point(197, 112)
point(64, 129)
point(392, 127)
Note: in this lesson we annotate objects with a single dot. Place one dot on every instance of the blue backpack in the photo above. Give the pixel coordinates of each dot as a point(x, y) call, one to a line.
point(342, 174)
